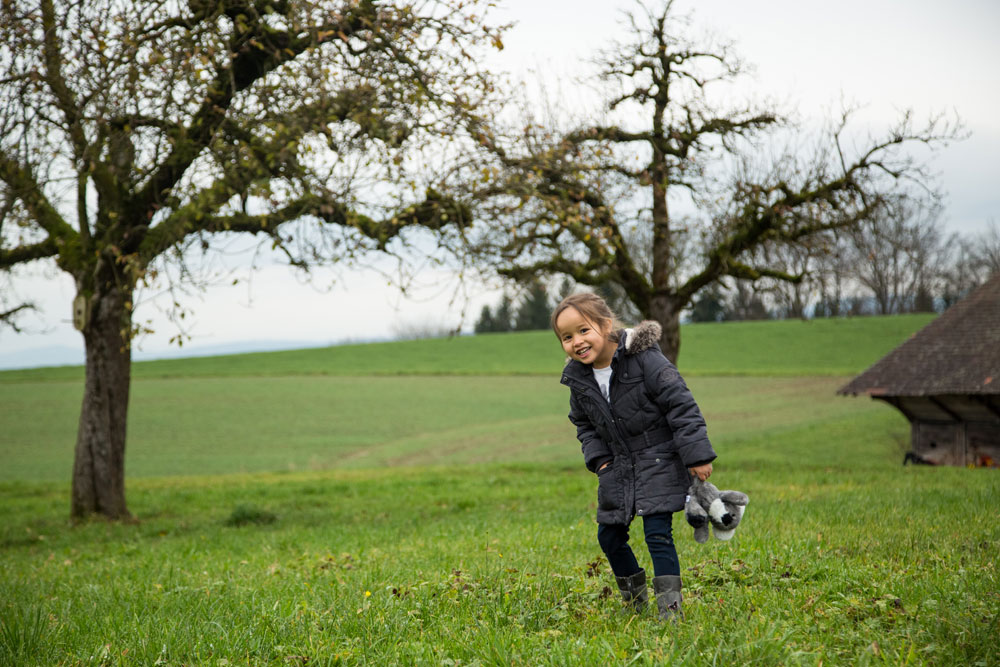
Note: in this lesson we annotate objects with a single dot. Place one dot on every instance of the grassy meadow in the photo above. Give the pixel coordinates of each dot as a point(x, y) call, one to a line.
point(425, 503)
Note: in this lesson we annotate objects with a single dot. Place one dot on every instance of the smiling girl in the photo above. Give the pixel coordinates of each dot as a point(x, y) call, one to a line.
point(641, 431)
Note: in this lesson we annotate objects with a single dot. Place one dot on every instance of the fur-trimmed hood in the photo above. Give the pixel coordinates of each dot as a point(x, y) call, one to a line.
point(642, 336)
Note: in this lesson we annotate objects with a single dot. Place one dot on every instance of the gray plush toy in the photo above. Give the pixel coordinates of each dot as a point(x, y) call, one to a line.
point(707, 505)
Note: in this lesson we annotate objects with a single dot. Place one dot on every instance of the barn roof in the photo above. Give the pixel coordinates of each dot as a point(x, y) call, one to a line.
point(957, 353)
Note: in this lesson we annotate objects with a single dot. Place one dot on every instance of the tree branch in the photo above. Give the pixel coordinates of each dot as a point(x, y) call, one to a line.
point(64, 97)
point(67, 103)
point(7, 316)
point(24, 187)
point(434, 212)
point(606, 133)
point(258, 52)
point(27, 253)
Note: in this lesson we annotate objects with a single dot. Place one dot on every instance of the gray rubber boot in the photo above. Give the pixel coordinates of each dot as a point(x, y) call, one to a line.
point(633, 590)
point(667, 589)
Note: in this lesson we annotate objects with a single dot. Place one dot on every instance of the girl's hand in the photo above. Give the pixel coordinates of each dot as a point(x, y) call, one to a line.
point(702, 472)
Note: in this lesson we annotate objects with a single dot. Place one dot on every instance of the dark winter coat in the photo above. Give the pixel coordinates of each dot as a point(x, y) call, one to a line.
point(652, 430)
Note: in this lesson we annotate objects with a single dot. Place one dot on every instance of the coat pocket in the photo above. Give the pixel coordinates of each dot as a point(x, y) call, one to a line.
point(659, 473)
point(609, 489)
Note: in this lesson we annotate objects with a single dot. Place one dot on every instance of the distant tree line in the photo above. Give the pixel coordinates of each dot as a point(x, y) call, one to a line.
point(531, 312)
point(890, 265)
point(899, 263)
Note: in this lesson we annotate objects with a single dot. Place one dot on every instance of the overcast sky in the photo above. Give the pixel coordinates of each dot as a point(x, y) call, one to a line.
point(889, 55)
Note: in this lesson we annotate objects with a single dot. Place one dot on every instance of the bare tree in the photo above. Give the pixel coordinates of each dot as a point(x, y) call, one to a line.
point(570, 200)
point(988, 254)
point(898, 255)
point(130, 131)
point(970, 263)
point(744, 302)
point(963, 272)
point(790, 298)
point(833, 277)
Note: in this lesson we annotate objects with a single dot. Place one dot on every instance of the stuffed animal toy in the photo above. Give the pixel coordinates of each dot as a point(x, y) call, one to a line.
point(707, 505)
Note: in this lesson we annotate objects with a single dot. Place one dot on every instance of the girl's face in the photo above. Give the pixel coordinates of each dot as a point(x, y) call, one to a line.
point(584, 341)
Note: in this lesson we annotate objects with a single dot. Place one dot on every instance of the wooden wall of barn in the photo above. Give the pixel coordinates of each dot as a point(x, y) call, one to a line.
point(957, 443)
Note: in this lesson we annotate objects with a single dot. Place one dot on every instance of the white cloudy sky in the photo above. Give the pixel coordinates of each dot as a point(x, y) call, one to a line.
point(889, 55)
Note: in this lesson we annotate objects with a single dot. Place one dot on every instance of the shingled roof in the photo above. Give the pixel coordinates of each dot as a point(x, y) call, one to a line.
point(957, 353)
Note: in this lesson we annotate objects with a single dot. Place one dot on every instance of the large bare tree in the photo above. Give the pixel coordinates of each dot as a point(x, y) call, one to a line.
point(898, 254)
point(594, 201)
point(129, 130)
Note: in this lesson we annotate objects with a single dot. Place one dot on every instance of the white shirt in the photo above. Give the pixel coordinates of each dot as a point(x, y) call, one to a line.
point(603, 377)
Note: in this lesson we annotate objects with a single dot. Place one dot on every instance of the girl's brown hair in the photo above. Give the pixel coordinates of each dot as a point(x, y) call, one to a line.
point(593, 309)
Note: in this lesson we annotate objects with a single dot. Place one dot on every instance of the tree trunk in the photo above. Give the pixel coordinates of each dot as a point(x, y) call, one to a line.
point(662, 306)
point(99, 464)
point(664, 310)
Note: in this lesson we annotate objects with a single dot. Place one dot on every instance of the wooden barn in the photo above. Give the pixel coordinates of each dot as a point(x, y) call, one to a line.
point(946, 380)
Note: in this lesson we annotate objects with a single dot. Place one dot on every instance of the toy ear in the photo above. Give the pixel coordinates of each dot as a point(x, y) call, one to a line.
point(734, 497)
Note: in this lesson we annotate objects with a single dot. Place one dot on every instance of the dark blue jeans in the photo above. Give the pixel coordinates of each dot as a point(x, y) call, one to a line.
point(659, 539)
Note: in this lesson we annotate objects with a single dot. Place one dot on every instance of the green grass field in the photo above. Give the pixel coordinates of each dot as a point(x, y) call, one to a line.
point(424, 503)
point(789, 347)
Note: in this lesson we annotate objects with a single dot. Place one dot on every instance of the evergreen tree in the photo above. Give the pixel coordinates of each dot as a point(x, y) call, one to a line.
point(485, 324)
point(566, 287)
point(709, 307)
point(535, 310)
point(503, 317)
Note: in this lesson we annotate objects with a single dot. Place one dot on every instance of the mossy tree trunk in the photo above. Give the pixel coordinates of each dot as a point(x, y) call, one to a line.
point(99, 463)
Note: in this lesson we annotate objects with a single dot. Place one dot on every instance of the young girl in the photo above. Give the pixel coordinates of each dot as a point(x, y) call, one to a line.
point(641, 431)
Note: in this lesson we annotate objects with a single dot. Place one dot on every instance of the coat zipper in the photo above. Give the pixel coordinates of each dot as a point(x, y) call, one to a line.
point(592, 388)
